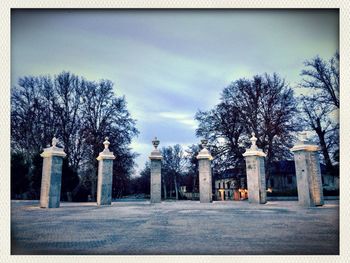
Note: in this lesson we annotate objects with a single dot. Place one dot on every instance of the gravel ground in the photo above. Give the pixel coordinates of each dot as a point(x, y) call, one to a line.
point(175, 228)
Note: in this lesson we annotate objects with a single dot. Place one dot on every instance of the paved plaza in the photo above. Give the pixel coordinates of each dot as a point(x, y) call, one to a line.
point(175, 228)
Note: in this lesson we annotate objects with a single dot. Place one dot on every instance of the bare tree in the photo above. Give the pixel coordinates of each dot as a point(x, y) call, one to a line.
point(192, 166)
point(317, 118)
point(323, 77)
point(106, 115)
point(264, 105)
point(32, 118)
point(81, 113)
point(173, 166)
point(67, 109)
point(321, 107)
point(33, 125)
point(223, 129)
point(122, 171)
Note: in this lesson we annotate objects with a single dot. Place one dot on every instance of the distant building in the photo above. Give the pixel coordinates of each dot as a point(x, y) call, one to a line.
point(230, 189)
point(282, 177)
point(231, 185)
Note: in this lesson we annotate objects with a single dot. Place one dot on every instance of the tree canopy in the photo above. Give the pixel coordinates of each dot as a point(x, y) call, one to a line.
point(264, 105)
point(81, 113)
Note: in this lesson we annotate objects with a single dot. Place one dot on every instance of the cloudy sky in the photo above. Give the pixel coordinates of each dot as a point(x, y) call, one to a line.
point(169, 64)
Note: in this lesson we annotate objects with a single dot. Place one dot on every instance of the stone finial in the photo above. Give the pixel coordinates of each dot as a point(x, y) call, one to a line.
point(155, 142)
point(106, 143)
point(155, 154)
point(204, 143)
point(106, 153)
point(254, 150)
point(303, 136)
point(54, 141)
point(204, 153)
point(303, 144)
point(253, 140)
point(54, 150)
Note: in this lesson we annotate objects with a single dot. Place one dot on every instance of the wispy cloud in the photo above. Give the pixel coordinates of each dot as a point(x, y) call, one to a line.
point(183, 118)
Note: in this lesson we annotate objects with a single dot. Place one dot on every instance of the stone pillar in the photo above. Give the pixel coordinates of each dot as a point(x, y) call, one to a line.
point(105, 175)
point(255, 167)
point(51, 176)
point(205, 184)
point(156, 177)
point(308, 172)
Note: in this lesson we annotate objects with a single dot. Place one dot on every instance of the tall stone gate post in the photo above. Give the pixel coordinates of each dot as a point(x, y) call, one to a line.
point(308, 172)
point(105, 175)
point(156, 167)
point(51, 176)
point(255, 166)
point(205, 177)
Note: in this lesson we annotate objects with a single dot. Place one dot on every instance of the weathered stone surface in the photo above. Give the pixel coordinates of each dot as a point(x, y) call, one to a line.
point(104, 182)
point(255, 167)
point(256, 179)
point(50, 192)
point(156, 168)
point(205, 177)
point(205, 184)
point(105, 175)
point(316, 179)
point(308, 173)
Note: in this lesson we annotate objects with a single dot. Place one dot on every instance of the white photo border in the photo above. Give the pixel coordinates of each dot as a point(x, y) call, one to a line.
point(5, 77)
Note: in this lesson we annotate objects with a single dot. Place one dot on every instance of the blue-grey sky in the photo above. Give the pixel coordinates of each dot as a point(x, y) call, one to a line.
point(169, 63)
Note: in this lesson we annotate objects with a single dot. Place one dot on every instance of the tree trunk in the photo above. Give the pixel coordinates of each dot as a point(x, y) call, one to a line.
point(268, 164)
point(164, 189)
point(324, 149)
point(30, 175)
point(176, 189)
point(93, 184)
point(93, 191)
point(171, 190)
point(268, 159)
point(69, 196)
point(194, 185)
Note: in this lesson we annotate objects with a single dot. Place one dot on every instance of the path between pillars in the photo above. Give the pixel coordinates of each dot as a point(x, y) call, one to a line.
point(175, 228)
